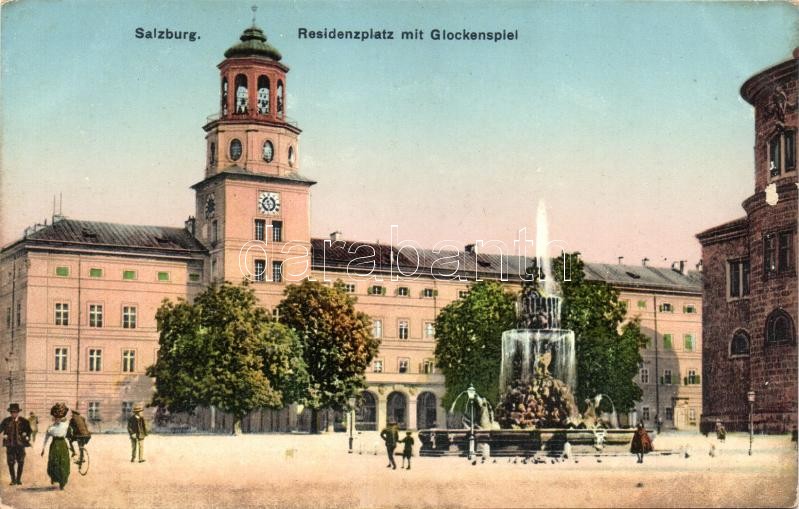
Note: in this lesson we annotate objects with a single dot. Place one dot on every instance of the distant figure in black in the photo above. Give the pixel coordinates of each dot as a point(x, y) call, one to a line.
point(407, 450)
point(390, 436)
point(17, 433)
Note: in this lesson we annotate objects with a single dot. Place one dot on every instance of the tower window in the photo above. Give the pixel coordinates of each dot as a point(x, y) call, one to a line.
point(277, 231)
point(790, 150)
point(279, 98)
point(235, 149)
point(263, 95)
point(779, 327)
point(739, 278)
point(740, 343)
point(241, 94)
point(774, 155)
point(778, 252)
point(224, 96)
point(260, 228)
point(291, 156)
point(212, 155)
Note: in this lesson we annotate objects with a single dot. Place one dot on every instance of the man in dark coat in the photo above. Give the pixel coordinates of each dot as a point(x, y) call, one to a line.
point(78, 432)
point(17, 431)
point(137, 429)
point(641, 443)
point(390, 436)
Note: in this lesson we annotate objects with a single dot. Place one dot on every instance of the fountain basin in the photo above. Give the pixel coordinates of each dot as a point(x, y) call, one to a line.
point(524, 442)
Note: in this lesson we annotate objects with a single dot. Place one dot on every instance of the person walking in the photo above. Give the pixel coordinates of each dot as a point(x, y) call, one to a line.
point(407, 449)
point(137, 429)
point(641, 443)
point(58, 457)
point(17, 431)
point(390, 436)
point(78, 432)
point(721, 432)
point(33, 420)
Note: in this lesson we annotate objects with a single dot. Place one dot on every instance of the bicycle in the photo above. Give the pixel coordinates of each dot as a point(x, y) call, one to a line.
point(83, 461)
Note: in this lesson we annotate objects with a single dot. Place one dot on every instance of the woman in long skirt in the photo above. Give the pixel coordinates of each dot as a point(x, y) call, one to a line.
point(641, 443)
point(58, 458)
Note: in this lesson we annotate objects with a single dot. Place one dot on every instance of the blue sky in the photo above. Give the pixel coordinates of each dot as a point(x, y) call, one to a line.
point(624, 117)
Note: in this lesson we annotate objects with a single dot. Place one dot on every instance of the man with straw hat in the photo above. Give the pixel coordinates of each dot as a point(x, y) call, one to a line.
point(137, 429)
point(17, 432)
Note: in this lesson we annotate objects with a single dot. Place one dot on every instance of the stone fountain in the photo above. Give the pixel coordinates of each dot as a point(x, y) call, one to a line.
point(536, 411)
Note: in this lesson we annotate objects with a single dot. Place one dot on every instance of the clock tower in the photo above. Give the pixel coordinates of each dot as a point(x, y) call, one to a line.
point(253, 205)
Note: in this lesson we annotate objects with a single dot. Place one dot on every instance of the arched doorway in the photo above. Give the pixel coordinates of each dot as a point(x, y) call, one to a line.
point(366, 412)
point(397, 406)
point(426, 411)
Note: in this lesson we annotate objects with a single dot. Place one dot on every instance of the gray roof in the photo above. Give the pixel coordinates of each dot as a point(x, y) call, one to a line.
point(342, 254)
point(111, 236)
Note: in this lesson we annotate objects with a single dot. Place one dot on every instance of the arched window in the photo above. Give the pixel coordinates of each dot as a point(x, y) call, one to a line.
point(779, 327)
point(212, 154)
point(263, 95)
point(366, 412)
point(740, 343)
point(397, 409)
point(241, 94)
point(426, 410)
point(279, 98)
point(224, 96)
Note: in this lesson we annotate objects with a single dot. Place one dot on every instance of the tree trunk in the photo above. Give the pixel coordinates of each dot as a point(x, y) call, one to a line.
point(236, 425)
point(314, 421)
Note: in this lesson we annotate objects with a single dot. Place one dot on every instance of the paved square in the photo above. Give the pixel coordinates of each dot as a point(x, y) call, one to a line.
point(290, 470)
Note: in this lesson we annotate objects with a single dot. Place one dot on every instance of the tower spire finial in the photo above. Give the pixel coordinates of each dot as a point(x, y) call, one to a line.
point(254, 8)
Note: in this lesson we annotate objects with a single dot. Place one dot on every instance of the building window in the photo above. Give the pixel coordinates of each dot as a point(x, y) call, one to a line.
point(692, 378)
point(61, 313)
point(666, 308)
point(739, 278)
point(128, 361)
point(402, 365)
point(19, 314)
point(95, 359)
point(127, 410)
point(740, 343)
point(214, 231)
point(644, 374)
point(428, 293)
point(94, 411)
point(642, 305)
point(61, 358)
point(376, 290)
point(403, 329)
point(778, 249)
point(62, 271)
point(95, 315)
point(163, 276)
point(277, 271)
point(377, 328)
point(428, 367)
point(785, 252)
point(774, 155)
point(260, 270)
point(666, 377)
point(790, 150)
point(403, 291)
point(779, 327)
point(462, 294)
point(667, 343)
point(260, 229)
point(235, 145)
point(429, 330)
point(645, 413)
point(95, 272)
point(194, 278)
point(277, 231)
point(688, 342)
point(129, 274)
point(128, 317)
point(689, 309)
point(377, 366)
point(669, 413)
point(349, 287)
point(212, 154)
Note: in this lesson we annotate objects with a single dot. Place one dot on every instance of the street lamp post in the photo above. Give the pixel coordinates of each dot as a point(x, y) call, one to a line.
point(352, 421)
point(751, 397)
point(471, 393)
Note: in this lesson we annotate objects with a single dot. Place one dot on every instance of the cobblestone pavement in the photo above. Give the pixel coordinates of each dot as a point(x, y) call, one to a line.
point(292, 470)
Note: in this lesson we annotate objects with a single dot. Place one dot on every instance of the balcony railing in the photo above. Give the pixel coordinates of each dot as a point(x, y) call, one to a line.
point(285, 119)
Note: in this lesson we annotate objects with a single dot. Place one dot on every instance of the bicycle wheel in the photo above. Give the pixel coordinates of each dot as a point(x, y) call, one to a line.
point(83, 467)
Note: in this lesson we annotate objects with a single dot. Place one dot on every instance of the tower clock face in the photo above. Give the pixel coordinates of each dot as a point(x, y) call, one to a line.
point(269, 203)
point(210, 206)
point(269, 151)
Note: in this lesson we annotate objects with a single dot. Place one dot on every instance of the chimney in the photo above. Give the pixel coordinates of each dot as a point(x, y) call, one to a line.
point(190, 224)
point(335, 236)
point(620, 259)
point(470, 248)
point(643, 261)
point(682, 266)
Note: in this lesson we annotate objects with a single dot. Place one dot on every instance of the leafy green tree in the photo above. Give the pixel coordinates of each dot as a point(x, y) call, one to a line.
point(337, 342)
point(468, 346)
point(608, 350)
point(225, 350)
